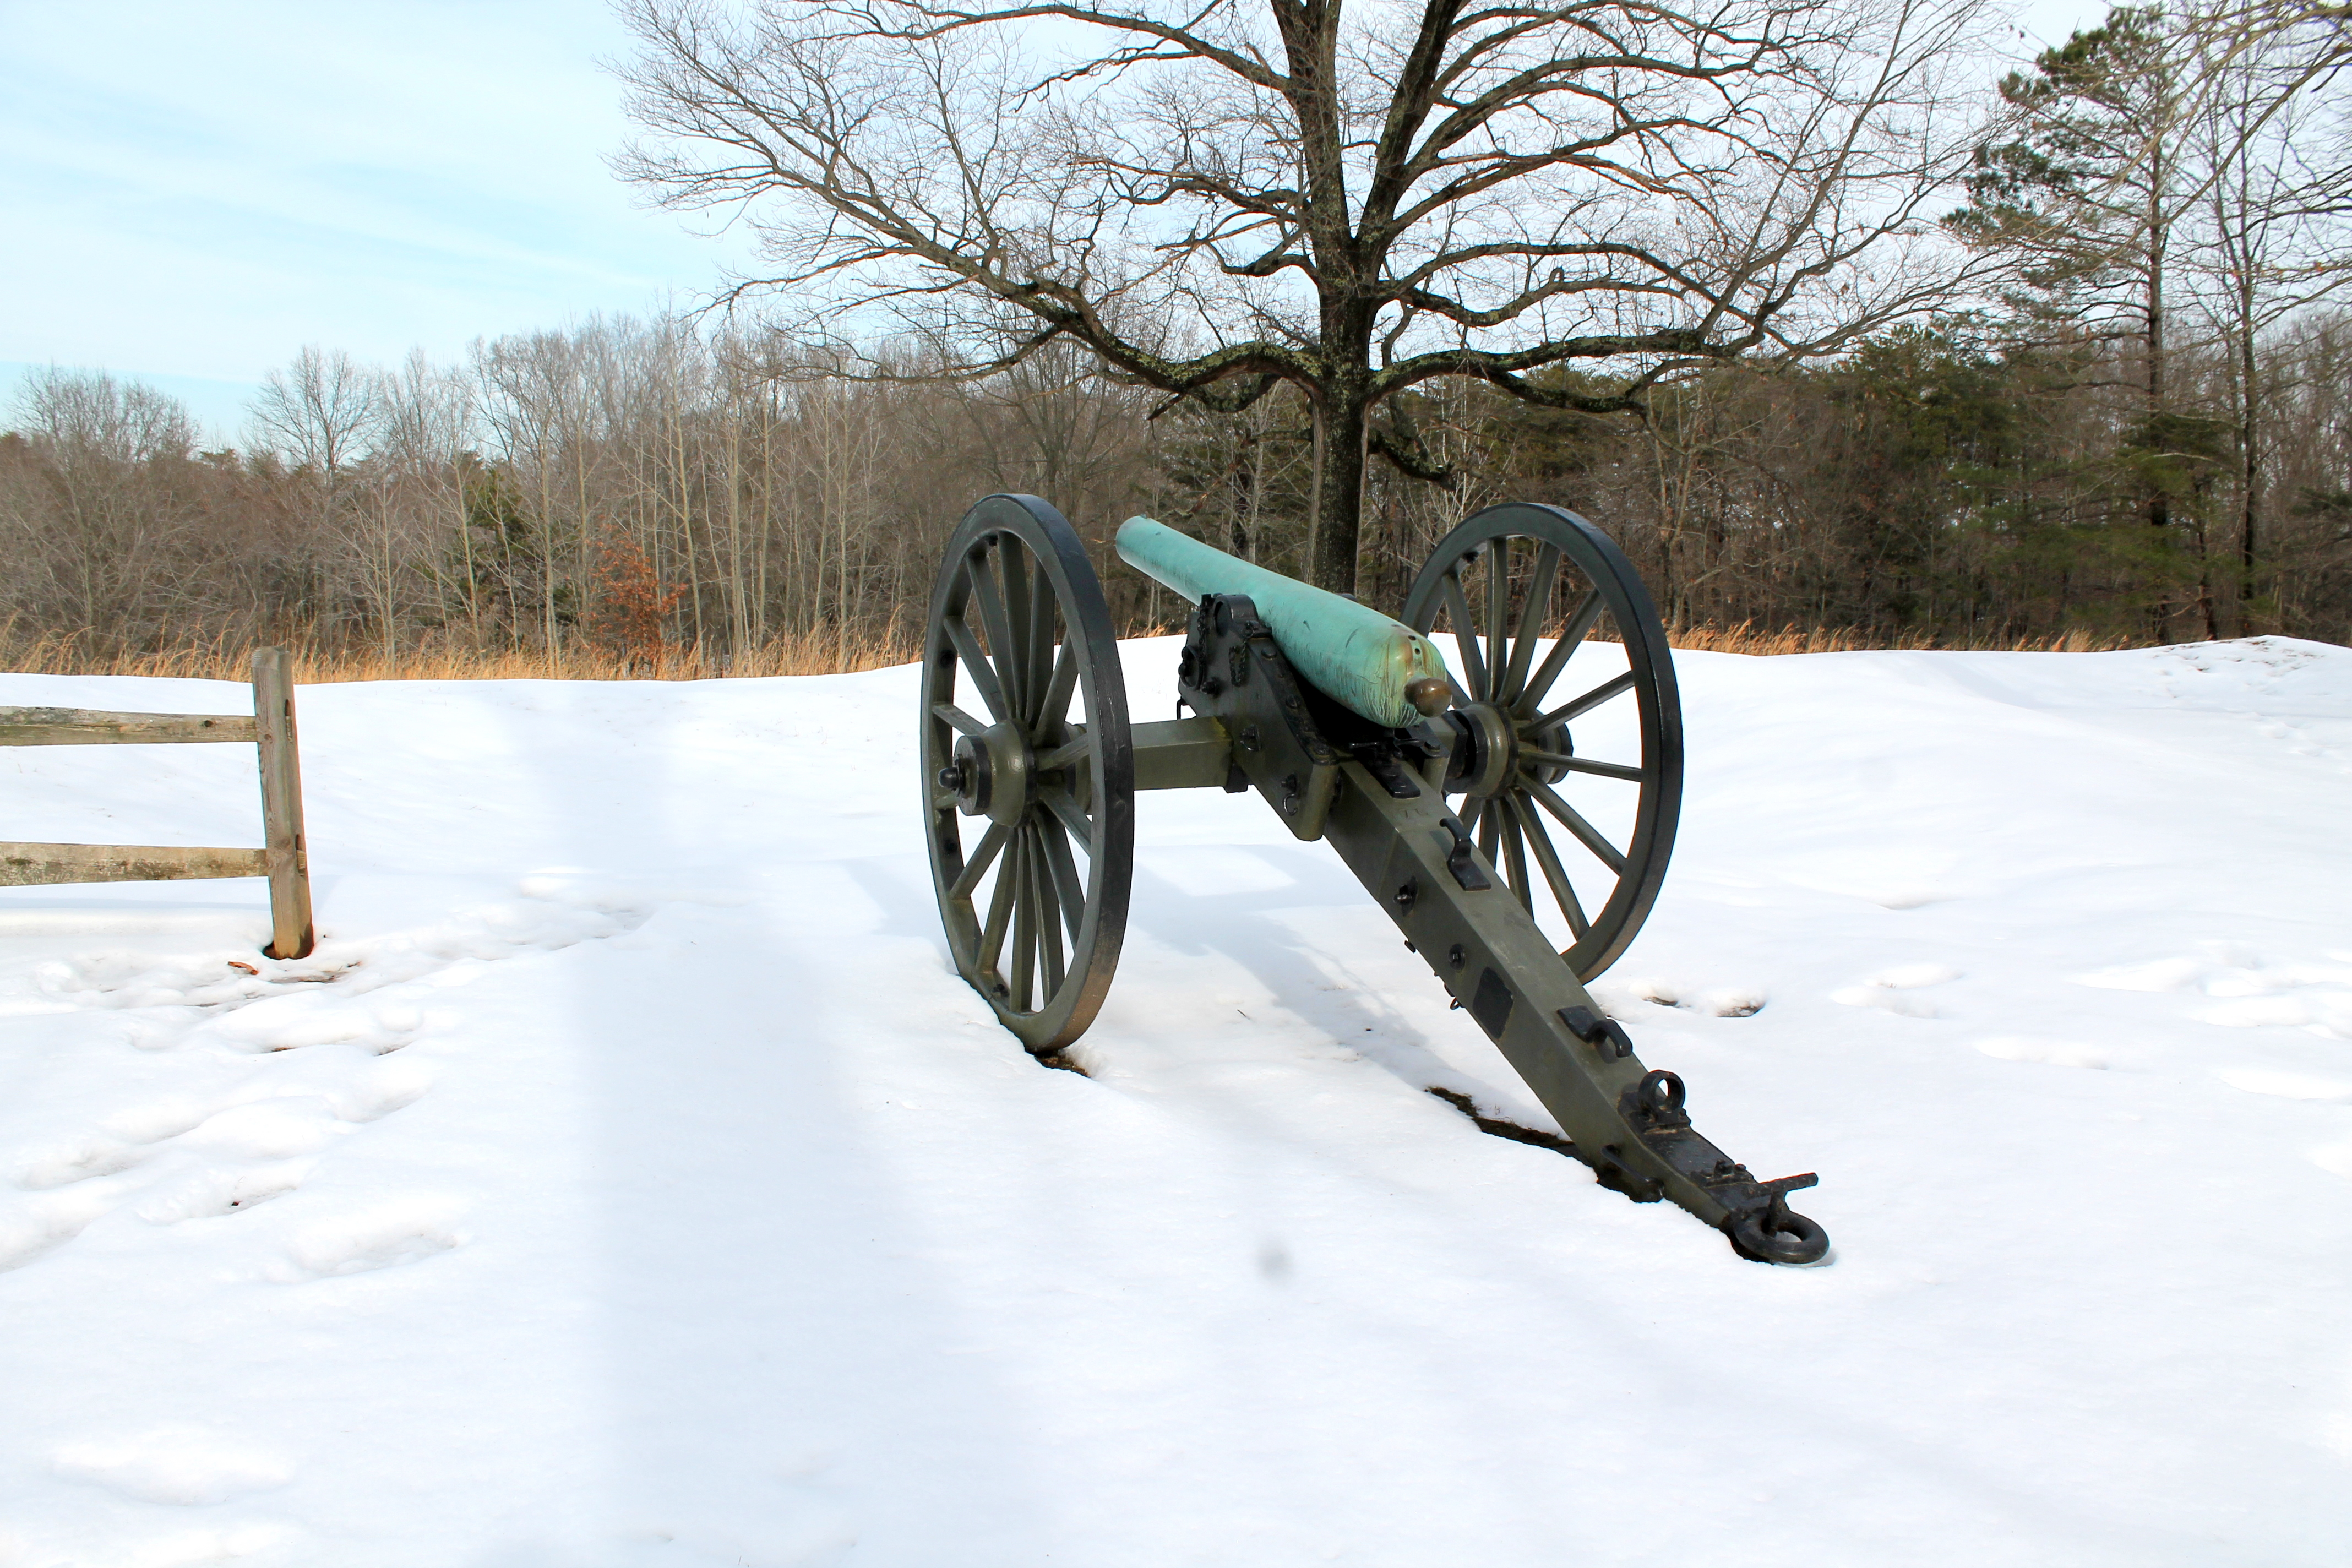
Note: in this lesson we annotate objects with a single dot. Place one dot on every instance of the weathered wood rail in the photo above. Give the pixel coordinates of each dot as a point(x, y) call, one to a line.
point(284, 856)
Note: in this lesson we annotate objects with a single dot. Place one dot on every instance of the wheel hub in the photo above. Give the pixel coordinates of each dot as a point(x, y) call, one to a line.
point(1554, 739)
point(991, 774)
point(1492, 746)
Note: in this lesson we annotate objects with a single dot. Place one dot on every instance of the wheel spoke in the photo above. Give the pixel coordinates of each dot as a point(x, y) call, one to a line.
point(1472, 808)
point(1547, 858)
point(1490, 834)
point(1586, 703)
point(951, 714)
point(1020, 633)
point(1000, 911)
point(1573, 820)
point(1042, 608)
point(1002, 646)
point(976, 665)
point(1580, 626)
point(1585, 765)
point(1024, 608)
point(1498, 613)
point(1058, 686)
point(1025, 923)
point(977, 865)
point(1049, 913)
point(1073, 750)
point(1515, 856)
point(1071, 891)
point(1074, 820)
point(1522, 646)
point(1465, 633)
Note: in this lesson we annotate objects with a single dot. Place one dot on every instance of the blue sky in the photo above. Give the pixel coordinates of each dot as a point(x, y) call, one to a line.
point(193, 192)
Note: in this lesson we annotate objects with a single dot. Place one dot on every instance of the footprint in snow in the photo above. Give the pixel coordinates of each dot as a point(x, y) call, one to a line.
point(1719, 1001)
point(547, 917)
point(212, 1194)
point(2048, 1052)
point(383, 1237)
point(213, 980)
point(68, 1181)
point(295, 1011)
point(78, 1160)
point(1890, 989)
point(290, 1023)
point(179, 1465)
point(279, 1131)
point(2254, 993)
point(279, 1128)
point(2283, 1012)
point(2156, 974)
point(2286, 1085)
point(36, 1228)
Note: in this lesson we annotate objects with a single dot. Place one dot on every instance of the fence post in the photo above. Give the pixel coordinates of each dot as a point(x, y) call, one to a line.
point(281, 805)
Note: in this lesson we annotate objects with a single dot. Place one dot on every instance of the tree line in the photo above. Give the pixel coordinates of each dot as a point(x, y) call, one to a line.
point(2108, 392)
point(537, 496)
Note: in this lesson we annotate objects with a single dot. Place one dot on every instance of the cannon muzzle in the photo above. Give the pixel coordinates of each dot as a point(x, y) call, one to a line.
point(1369, 664)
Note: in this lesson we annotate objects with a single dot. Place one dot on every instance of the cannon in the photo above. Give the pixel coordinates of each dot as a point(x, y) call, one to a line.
point(1350, 726)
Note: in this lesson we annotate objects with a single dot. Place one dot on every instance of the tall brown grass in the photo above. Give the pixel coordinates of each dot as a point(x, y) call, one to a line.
point(1748, 639)
point(227, 660)
point(814, 654)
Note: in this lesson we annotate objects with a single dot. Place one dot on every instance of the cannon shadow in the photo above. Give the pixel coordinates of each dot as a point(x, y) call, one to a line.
point(1322, 983)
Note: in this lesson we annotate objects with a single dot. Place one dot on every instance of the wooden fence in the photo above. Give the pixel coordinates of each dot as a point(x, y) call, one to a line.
point(284, 858)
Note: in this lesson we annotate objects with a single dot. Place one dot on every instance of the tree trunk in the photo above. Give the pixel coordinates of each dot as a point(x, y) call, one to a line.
point(1341, 422)
point(2251, 474)
point(2205, 583)
point(2159, 506)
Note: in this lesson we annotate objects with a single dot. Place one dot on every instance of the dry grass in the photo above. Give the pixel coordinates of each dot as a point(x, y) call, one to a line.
point(1746, 639)
point(811, 655)
point(224, 661)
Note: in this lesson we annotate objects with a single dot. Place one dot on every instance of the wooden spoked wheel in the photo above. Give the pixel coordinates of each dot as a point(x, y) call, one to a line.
point(1028, 769)
point(1564, 686)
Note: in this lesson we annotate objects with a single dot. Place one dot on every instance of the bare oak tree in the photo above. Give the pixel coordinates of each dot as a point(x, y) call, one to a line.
point(1566, 201)
point(320, 412)
point(94, 546)
point(2274, 141)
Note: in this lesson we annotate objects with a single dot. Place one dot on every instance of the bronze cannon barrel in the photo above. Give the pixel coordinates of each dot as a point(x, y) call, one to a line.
point(1361, 660)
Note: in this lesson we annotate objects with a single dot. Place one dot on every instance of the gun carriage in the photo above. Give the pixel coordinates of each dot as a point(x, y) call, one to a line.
point(1348, 724)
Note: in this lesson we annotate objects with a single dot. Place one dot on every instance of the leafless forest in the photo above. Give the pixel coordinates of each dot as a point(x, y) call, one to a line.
point(2132, 421)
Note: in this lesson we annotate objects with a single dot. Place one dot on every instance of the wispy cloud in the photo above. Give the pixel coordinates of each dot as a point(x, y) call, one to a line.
point(196, 191)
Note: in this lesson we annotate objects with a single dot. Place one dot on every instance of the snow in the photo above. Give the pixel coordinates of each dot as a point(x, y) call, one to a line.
point(627, 1180)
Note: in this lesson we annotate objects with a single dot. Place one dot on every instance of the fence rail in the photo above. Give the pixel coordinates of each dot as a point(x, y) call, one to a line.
point(284, 856)
point(81, 727)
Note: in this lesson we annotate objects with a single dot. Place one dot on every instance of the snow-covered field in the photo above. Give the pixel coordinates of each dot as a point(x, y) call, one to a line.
point(627, 1180)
